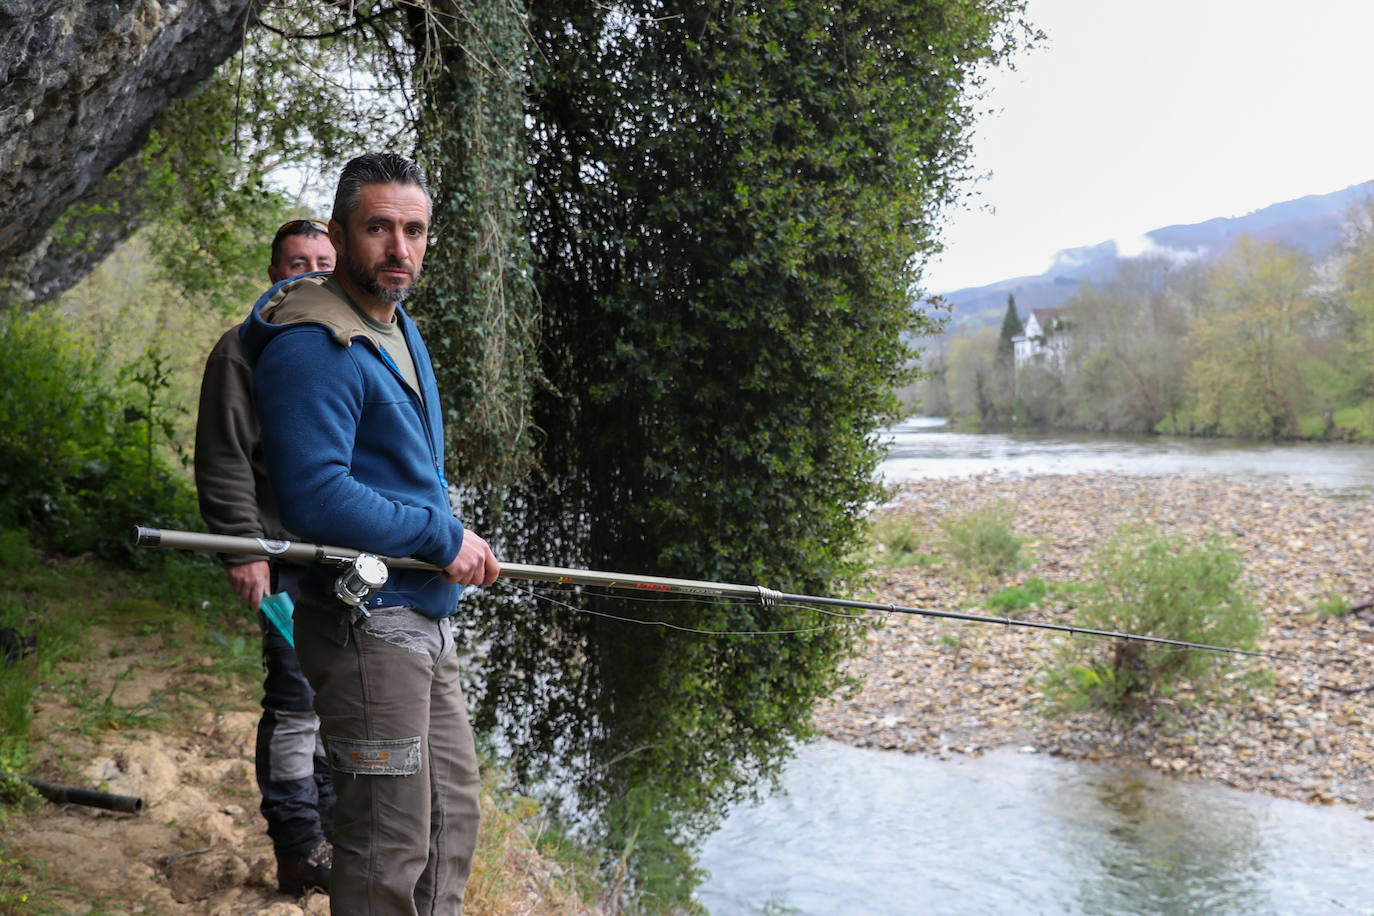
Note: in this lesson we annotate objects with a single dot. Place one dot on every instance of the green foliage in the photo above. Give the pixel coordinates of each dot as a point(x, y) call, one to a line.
point(1246, 375)
point(981, 543)
point(228, 163)
point(150, 381)
point(77, 466)
point(239, 654)
point(61, 607)
point(16, 685)
point(478, 298)
point(96, 713)
point(1011, 329)
point(676, 249)
point(1358, 419)
point(649, 868)
point(23, 609)
point(1155, 585)
point(15, 553)
point(1333, 604)
point(899, 541)
point(1019, 596)
point(1256, 345)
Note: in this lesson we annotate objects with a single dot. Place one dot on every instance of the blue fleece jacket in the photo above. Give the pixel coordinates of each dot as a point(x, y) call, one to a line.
point(355, 455)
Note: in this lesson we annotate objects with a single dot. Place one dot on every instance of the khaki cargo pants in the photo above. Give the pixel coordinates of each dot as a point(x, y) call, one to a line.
point(400, 748)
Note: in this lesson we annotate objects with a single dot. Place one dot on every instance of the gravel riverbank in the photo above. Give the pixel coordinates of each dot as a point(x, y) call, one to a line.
point(939, 687)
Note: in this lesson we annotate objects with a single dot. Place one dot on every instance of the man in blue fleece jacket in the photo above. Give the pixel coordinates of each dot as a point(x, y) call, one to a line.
point(352, 431)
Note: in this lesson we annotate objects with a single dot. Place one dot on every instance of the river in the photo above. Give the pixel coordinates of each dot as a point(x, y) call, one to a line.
point(922, 448)
point(856, 831)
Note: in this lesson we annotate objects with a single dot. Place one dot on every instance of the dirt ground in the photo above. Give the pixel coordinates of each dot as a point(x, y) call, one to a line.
point(198, 846)
point(159, 719)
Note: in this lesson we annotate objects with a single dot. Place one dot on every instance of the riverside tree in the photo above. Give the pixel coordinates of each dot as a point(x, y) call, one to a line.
point(1249, 344)
point(730, 206)
point(1127, 359)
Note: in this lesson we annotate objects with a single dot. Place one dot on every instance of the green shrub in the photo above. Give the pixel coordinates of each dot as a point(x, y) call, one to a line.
point(1311, 427)
point(1359, 419)
point(77, 464)
point(980, 542)
point(1333, 604)
point(16, 554)
point(1154, 585)
point(1019, 596)
point(898, 541)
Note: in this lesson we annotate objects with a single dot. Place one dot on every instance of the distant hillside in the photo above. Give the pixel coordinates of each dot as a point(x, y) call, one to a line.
point(1311, 223)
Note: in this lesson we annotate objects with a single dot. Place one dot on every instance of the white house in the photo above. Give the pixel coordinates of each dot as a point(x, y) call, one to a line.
point(1044, 340)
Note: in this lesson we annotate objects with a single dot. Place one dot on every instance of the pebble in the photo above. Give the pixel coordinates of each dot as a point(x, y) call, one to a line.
point(943, 687)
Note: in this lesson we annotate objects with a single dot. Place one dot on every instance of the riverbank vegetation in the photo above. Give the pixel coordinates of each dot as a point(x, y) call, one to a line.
point(1146, 582)
point(1139, 580)
point(1295, 726)
point(1265, 343)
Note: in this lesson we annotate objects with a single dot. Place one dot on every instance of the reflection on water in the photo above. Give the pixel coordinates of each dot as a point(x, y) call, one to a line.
point(860, 831)
point(922, 448)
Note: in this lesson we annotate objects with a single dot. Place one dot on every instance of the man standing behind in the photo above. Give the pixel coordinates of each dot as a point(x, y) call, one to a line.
point(354, 441)
point(236, 499)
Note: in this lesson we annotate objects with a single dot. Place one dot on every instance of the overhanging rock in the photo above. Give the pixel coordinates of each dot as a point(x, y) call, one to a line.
point(81, 84)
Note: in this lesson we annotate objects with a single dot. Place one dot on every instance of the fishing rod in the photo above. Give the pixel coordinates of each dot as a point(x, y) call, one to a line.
point(363, 573)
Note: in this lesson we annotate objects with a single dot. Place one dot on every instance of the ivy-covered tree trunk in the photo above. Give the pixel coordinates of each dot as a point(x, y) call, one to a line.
point(478, 304)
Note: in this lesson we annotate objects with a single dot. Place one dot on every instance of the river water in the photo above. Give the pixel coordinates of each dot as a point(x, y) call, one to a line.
point(921, 448)
point(862, 832)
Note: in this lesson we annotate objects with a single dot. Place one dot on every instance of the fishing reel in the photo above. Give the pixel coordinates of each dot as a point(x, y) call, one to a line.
point(362, 575)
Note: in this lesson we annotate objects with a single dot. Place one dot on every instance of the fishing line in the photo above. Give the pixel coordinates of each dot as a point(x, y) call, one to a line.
point(645, 599)
point(733, 602)
point(679, 627)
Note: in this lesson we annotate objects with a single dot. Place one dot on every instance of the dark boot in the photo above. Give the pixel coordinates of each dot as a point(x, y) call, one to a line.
point(298, 874)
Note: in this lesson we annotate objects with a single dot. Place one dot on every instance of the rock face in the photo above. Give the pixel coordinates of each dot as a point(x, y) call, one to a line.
point(81, 82)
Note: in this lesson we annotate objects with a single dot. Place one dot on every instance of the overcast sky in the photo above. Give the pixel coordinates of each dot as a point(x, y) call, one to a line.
point(1134, 115)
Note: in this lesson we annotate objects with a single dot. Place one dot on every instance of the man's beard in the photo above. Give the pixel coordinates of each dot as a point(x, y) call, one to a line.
point(367, 279)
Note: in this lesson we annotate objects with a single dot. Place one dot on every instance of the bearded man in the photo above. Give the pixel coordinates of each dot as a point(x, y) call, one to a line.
point(352, 430)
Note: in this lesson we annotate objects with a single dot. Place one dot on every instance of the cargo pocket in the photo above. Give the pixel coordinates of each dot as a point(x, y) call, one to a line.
point(359, 756)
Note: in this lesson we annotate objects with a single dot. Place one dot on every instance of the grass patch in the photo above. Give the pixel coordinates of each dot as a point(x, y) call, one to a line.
point(1017, 597)
point(980, 543)
point(237, 654)
point(1332, 604)
point(519, 852)
point(897, 541)
point(107, 715)
point(95, 627)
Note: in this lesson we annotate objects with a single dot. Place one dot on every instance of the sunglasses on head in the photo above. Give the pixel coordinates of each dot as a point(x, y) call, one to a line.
point(294, 224)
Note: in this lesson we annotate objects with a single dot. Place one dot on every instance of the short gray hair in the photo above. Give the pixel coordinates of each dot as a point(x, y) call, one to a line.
point(373, 168)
